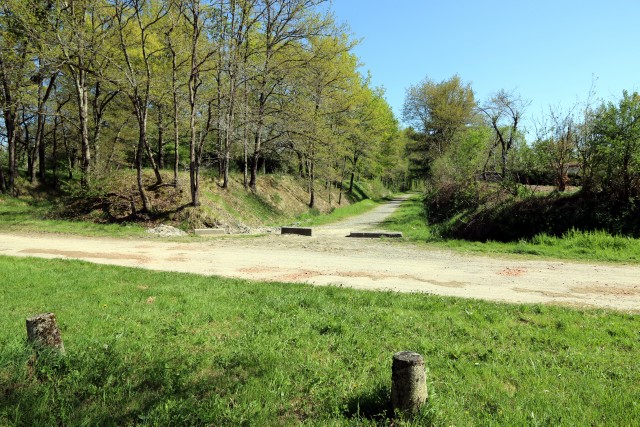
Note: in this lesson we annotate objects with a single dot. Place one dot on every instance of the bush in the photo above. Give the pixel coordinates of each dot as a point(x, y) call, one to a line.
point(554, 215)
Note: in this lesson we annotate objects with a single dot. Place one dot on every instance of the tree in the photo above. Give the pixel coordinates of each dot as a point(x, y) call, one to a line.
point(556, 144)
point(15, 72)
point(318, 95)
point(504, 112)
point(374, 124)
point(202, 25)
point(285, 25)
point(81, 29)
point(135, 23)
point(616, 136)
point(439, 112)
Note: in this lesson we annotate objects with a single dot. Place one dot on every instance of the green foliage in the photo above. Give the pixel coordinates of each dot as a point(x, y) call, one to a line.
point(439, 114)
point(148, 348)
point(595, 245)
point(615, 148)
point(523, 217)
point(439, 110)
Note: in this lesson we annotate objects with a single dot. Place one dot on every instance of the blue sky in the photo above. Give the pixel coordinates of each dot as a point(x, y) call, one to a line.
point(549, 52)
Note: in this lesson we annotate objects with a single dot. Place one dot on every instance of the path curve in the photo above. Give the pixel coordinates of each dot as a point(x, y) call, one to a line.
point(331, 259)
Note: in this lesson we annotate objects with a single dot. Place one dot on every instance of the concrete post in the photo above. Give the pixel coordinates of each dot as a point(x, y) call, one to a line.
point(409, 385)
point(43, 332)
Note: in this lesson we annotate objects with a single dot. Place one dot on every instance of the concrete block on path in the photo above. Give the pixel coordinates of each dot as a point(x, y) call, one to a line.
point(375, 234)
point(302, 231)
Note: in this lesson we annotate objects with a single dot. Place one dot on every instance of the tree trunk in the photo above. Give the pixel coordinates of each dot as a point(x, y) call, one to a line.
point(257, 147)
point(83, 116)
point(254, 163)
point(30, 149)
point(194, 175)
point(11, 141)
point(54, 153)
point(312, 189)
point(245, 154)
point(160, 139)
point(69, 151)
point(176, 133)
point(147, 148)
point(42, 100)
point(146, 204)
point(3, 181)
point(344, 169)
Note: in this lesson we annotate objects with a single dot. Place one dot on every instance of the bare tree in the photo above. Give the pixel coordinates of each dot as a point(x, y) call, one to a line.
point(556, 144)
point(504, 112)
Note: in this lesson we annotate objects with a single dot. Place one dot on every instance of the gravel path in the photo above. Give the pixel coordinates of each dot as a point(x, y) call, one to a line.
point(368, 221)
point(329, 258)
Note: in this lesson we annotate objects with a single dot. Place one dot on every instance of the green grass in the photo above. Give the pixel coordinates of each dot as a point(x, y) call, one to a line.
point(29, 215)
point(314, 218)
point(410, 218)
point(152, 348)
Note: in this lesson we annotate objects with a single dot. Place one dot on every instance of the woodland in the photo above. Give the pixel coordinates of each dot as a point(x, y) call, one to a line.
point(93, 87)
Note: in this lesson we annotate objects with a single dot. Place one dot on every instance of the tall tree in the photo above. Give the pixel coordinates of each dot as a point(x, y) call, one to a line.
point(240, 20)
point(440, 112)
point(504, 111)
point(14, 73)
point(136, 20)
point(202, 24)
point(617, 141)
point(556, 144)
point(285, 24)
point(81, 30)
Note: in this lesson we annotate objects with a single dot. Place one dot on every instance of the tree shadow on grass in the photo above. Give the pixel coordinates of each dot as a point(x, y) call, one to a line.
point(100, 386)
point(372, 405)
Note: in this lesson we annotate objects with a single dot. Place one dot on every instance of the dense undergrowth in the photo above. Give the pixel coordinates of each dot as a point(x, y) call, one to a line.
point(551, 214)
point(157, 348)
point(589, 245)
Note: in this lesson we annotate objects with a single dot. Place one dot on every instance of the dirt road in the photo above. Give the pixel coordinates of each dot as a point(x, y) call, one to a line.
point(329, 258)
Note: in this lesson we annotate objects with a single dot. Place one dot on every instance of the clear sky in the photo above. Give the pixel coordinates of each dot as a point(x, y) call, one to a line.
point(548, 51)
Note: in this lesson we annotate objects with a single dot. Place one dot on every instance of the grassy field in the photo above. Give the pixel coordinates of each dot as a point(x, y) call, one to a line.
point(577, 245)
point(314, 218)
point(151, 348)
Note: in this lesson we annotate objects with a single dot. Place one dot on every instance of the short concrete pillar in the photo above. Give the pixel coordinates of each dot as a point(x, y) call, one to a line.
point(43, 333)
point(408, 383)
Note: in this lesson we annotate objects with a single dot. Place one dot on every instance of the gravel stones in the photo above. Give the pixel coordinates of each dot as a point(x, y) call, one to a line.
point(166, 231)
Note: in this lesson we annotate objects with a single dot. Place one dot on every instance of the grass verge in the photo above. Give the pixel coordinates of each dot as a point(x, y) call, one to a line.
point(314, 218)
point(32, 215)
point(155, 348)
point(411, 219)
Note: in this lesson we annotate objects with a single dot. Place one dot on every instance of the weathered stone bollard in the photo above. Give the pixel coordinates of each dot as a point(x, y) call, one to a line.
point(43, 333)
point(408, 383)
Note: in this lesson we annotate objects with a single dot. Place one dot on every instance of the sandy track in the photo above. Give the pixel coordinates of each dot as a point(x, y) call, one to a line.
point(329, 258)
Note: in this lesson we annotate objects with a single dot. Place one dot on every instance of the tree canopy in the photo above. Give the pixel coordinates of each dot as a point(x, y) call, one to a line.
point(93, 86)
